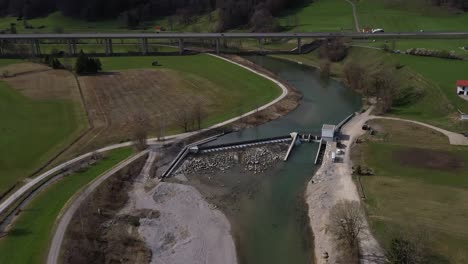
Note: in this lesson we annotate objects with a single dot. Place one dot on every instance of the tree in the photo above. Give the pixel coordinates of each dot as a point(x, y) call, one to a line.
point(262, 20)
point(87, 65)
point(325, 68)
point(184, 119)
point(346, 223)
point(198, 113)
point(13, 28)
point(408, 248)
point(355, 75)
point(140, 131)
point(385, 84)
point(334, 49)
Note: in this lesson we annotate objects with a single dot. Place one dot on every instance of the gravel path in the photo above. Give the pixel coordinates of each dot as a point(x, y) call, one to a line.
point(454, 138)
point(355, 15)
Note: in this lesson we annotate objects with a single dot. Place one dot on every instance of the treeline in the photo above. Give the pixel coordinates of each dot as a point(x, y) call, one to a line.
point(457, 4)
point(134, 12)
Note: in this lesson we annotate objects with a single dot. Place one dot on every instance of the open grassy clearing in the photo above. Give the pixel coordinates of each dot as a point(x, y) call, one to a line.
point(28, 241)
point(321, 15)
point(41, 113)
point(406, 16)
point(419, 184)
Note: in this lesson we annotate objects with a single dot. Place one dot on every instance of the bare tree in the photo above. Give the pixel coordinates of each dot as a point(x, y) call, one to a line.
point(385, 84)
point(355, 75)
point(346, 223)
point(160, 126)
point(184, 119)
point(198, 113)
point(325, 68)
point(334, 49)
point(140, 131)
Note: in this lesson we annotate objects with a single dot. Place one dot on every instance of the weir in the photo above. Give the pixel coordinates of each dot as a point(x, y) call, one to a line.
point(198, 148)
point(293, 143)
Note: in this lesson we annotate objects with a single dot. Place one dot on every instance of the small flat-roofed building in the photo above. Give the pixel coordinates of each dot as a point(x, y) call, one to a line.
point(328, 132)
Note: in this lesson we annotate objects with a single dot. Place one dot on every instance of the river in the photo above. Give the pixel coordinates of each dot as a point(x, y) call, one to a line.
point(268, 212)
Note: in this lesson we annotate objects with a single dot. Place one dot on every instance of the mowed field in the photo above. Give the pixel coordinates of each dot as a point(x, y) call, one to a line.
point(131, 89)
point(40, 113)
point(321, 15)
point(420, 185)
point(29, 239)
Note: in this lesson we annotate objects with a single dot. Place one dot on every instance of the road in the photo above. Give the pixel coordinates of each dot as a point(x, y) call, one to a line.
point(72, 36)
point(61, 228)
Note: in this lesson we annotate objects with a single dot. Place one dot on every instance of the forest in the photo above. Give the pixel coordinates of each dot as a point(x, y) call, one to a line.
point(132, 13)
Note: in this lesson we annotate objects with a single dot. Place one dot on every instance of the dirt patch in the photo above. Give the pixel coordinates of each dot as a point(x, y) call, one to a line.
point(22, 68)
point(428, 159)
point(49, 84)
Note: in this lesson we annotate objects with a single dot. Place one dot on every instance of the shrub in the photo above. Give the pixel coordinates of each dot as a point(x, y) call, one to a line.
point(87, 65)
point(433, 53)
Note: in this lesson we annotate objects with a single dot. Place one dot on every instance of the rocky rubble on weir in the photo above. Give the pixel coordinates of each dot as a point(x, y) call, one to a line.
point(255, 160)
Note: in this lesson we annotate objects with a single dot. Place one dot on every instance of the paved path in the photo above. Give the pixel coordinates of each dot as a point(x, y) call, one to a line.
point(75, 203)
point(454, 138)
point(356, 19)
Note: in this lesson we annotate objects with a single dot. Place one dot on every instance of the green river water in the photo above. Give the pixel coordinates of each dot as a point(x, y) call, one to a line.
point(268, 212)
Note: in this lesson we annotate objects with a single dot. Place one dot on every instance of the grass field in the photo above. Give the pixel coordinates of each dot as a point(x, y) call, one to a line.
point(28, 241)
point(419, 186)
point(436, 79)
point(35, 126)
point(452, 45)
point(135, 88)
point(321, 15)
point(42, 112)
point(406, 16)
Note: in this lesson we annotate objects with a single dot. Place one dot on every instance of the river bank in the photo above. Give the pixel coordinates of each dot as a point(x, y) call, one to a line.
point(330, 184)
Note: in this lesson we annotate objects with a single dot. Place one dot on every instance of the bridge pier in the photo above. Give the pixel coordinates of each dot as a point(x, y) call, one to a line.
point(72, 47)
point(181, 46)
point(144, 46)
point(299, 45)
point(217, 46)
point(108, 44)
point(260, 44)
point(35, 48)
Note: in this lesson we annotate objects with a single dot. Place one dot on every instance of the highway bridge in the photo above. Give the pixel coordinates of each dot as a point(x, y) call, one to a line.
point(108, 38)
